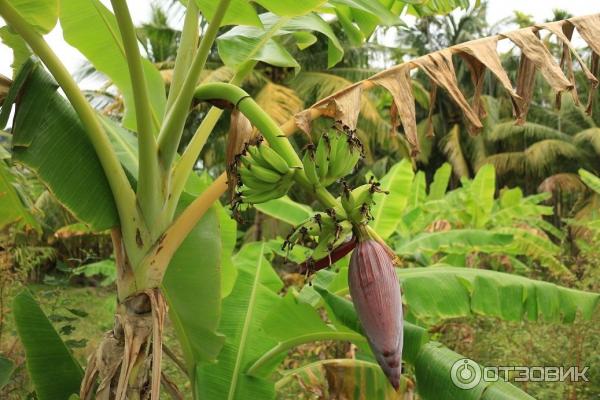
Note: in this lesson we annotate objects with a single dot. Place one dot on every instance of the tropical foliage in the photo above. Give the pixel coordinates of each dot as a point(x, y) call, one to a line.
point(137, 163)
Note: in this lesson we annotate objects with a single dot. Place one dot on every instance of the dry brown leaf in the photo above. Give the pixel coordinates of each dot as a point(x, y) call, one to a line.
point(481, 54)
point(440, 69)
point(564, 32)
point(399, 85)
point(137, 330)
point(525, 83)
point(4, 86)
point(343, 106)
point(594, 67)
point(432, 99)
point(303, 121)
point(477, 69)
point(537, 53)
point(589, 28)
point(240, 133)
point(108, 360)
point(159, 311)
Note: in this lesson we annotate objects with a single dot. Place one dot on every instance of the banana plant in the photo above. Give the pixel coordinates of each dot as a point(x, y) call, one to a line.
point(430, 222)
point(163, 221)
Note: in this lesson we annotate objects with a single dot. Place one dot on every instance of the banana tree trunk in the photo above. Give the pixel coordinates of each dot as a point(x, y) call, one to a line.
point(126, 363)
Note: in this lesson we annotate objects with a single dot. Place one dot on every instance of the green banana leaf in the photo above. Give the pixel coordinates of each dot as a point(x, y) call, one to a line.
point(20, 76)
point(535, 246)
point(6, 369)
point(286, 210)
point(243, 311)
point(53, 370)
point(19, 48)
point(241, 12)
point(438, 186)
point(389, 208)
point(12, 208)
point(456, 241)
point(92, 29)
point(192, 286)
point(243, 43)
point(481, 195)
point(55, 146)
point(293, 323)
point(41, 14)
point(440, 292)
point(433, 371)
point(418, 191)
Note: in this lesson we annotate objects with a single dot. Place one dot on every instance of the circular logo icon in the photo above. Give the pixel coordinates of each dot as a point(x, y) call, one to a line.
point(465, 373)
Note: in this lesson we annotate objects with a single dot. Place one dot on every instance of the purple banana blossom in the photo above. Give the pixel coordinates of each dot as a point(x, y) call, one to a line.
point(376, 296)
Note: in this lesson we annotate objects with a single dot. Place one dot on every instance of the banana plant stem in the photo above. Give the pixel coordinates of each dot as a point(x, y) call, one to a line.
point(185, 165)
point(259, 118)
point(172, 129)
point(149, 198)
point(151, 272)
point(186, 51)
point(120, 187)
point(271, 131)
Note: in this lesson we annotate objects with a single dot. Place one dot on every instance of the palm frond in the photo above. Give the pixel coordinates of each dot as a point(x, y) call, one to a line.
point(453, 150)
point(589, 137)
point(221, 74)
point(510, 162)
point(544, 155)
point(552, 119)
point(575, 115)
point(530, 131)
point(280, 102)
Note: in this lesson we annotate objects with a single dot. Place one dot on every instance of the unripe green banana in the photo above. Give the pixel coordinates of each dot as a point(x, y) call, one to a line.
point(310, 168)
point(322, 157)
point(258, 159)
point(345, 197)
point(340, 159)
point(351, 160)
point(251, 181)
point(275, 191)
point(265, 174)
point(274, 159)
point(247, 160)
point(251, 196)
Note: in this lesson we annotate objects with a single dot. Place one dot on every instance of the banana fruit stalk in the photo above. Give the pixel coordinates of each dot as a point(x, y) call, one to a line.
point(335, 156)
point(376, 296)
point(262, 175)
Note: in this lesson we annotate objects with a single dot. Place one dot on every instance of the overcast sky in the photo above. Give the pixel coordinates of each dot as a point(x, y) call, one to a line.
point(498, 9)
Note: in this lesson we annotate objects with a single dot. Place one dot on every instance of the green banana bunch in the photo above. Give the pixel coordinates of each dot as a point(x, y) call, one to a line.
point(357, 203)
point(325, 226)
point(334, 157)
point(262, 174)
